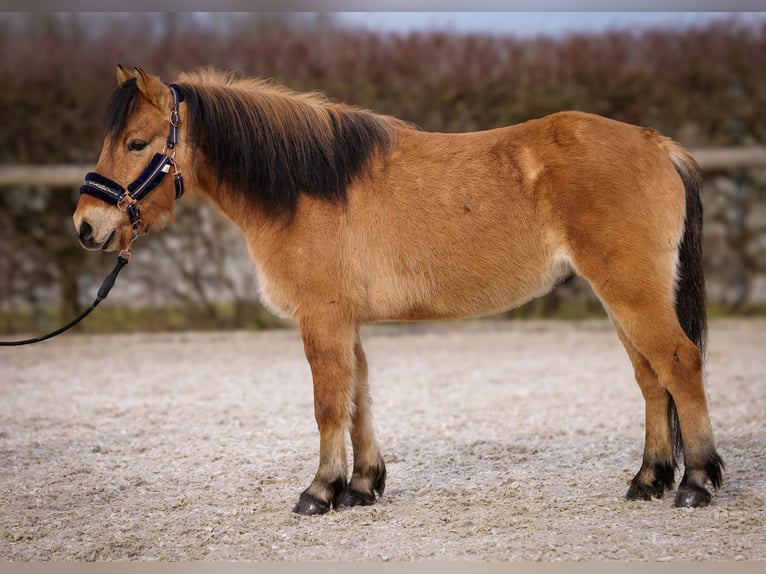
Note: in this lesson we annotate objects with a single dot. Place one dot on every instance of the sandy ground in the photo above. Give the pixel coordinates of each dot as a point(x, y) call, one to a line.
point(503, 441)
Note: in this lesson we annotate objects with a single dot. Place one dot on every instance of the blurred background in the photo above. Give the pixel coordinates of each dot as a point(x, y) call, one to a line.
point(699, 78)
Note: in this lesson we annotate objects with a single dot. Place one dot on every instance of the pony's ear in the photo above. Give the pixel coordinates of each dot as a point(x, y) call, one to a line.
point(123, 75)
point(152, 88)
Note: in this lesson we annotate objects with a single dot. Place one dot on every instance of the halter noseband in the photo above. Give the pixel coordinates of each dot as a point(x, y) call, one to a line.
point(128, 200)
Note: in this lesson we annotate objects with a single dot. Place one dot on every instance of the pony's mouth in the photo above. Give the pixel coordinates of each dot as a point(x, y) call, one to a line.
point(105, 245)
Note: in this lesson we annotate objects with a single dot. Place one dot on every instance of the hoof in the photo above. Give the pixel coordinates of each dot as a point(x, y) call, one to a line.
point(357, 493)
point(690, 496)
point(640, 491)
point(656, 476)
point(308, 505)
point(357, 498)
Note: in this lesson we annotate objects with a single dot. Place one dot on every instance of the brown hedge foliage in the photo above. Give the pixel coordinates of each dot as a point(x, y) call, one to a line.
point(704, 85)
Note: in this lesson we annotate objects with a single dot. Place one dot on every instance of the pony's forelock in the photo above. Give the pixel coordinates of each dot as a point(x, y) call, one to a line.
point(122, 104)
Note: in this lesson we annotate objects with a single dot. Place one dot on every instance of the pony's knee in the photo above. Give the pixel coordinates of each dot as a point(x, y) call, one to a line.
point(330, 415)
point(333, 403)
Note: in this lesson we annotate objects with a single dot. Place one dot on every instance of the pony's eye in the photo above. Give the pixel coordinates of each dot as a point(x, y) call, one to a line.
point(136, 145)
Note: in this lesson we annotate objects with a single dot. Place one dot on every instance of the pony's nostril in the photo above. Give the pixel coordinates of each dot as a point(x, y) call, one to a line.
point(86, 231)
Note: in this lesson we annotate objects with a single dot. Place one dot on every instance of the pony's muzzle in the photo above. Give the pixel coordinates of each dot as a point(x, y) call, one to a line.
point(86, 235)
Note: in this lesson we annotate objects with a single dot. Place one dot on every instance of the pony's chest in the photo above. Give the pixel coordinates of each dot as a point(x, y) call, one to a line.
point(274, 294)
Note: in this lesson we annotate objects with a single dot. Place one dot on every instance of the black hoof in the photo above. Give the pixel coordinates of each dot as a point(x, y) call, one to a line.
point(361, 496)
point(308, 505)
point(357, 498)
point(640, 491)
point(690, 496)
point(662, 476)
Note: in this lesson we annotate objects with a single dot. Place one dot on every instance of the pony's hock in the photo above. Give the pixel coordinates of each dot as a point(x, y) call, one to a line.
point(353, 217)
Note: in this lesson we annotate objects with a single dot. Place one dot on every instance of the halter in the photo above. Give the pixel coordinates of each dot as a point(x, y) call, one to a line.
point(129, 200)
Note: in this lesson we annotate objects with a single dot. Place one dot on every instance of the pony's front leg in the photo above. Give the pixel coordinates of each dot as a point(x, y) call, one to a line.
point(329, 345)
point(369, 475)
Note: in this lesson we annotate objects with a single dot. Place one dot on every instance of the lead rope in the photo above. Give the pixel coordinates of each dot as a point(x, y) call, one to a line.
point(122, 260)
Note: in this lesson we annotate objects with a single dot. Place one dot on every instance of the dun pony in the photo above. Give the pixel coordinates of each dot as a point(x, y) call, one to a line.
point(353, 217)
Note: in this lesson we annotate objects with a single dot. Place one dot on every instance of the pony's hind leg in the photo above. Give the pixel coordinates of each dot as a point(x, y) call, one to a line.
point(328, 343)
point(369, 475)
point(651, 327)
point(657, 471)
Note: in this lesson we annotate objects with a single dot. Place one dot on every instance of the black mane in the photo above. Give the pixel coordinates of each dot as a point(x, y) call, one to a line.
point(266, 142)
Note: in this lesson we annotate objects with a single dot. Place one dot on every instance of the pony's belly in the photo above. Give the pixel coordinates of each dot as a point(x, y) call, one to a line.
point(466, 296)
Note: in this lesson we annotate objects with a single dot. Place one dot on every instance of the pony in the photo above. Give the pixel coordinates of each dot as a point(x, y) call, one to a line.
point(352, 217)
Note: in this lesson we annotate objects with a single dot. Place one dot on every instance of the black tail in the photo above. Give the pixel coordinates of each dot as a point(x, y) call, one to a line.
point(690, 290)
point(691, 301)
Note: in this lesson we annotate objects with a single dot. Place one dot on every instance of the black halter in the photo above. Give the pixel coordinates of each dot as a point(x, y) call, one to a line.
point(129, 200)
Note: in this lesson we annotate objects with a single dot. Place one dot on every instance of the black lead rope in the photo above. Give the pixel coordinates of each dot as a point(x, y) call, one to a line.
point(103, 291)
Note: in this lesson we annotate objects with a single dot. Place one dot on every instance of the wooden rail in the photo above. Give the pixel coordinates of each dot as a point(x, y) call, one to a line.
point(43, 175)
point(710, 159)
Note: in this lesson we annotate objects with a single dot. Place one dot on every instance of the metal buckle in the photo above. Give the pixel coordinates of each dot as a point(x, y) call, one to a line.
point(175, 119)
point(125, 202)
point(134, 215)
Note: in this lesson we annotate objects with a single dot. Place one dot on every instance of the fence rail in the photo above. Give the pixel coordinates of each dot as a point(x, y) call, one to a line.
point(710, 159)
point(43, 175)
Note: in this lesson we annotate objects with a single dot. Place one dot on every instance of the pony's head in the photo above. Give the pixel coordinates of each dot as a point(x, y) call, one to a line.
point(128, 194)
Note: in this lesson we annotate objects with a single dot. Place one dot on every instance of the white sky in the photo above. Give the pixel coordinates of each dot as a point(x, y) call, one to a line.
point(534, 23)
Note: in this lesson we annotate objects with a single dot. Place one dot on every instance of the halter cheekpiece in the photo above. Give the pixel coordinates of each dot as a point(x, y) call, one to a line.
point(129, 200)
